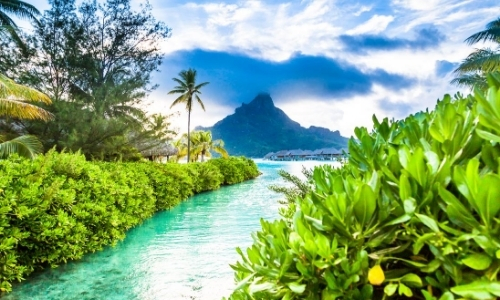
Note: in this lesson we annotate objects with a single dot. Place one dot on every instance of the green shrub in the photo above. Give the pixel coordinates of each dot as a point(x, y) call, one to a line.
point(235, 169)
point(414, 213)
point(59, 206)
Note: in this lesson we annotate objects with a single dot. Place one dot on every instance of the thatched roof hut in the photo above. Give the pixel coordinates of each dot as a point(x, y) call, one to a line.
point(162, 150)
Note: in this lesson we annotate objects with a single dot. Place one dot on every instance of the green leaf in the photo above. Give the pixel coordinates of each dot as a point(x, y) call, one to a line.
point(427, 295)
point(365, 205)
point(428, 222)
point(447, 296)
point(404, 290)
point(404, 187)
point(412, 280)
point(477, 261)
point(409, 205)
point(258, 287)
point(390, 289)
point(296, 287)
point(481, 290)
point(488, 135)
point(244, 282)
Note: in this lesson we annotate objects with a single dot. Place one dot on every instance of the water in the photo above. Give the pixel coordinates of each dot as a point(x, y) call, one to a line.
point(183, 253)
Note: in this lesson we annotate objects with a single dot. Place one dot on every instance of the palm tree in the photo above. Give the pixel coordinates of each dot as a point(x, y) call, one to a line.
point(188, 89)
point(14, 102)
point(203, 144)
point(19, 9)
point(472, 71)
point(181, 147)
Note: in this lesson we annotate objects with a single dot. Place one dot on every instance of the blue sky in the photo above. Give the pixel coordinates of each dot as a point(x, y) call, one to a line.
point(330, 63)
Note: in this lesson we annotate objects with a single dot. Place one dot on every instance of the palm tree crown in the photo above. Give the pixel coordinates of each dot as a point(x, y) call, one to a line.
point(472, 71)
point(203, 144)
point(14, 102)
point(19, 9)
point(188, 89)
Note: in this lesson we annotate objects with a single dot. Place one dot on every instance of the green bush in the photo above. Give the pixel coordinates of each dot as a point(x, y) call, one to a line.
point(235, 169)
point(414, 213)
point(59, 206)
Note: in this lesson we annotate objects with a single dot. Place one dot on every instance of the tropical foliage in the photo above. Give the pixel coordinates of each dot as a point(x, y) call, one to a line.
point(189, 89)
point(94, 60)
point(19, 9)
point(413, 214)
point(60, 206)
point(202, 146)
point(473, 70)
point(16, 102)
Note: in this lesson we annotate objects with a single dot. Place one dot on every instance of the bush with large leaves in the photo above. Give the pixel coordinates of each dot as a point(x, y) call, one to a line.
point(415, 213)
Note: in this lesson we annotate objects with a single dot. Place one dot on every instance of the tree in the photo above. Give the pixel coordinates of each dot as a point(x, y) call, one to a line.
point(181, 146)
point(15, 102)
point(19, 9)
point(188, 89)
point(95, 60)
point(203, 144)
point(473, 70)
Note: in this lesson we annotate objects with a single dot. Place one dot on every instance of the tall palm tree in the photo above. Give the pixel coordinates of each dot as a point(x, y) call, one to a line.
point(472, 71)
point(19, 9)
point(203, 144)
point(15, 102)
point(188, 89)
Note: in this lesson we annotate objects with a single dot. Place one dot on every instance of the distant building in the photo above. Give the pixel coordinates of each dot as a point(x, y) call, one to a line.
point(299, 154)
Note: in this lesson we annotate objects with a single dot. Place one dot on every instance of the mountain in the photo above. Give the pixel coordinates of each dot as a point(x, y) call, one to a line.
point(259, 127)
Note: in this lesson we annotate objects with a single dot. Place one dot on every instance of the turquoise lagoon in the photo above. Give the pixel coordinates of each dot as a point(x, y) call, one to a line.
point(183, 253)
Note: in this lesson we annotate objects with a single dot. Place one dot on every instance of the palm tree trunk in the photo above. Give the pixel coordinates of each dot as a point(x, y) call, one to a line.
point(189, 138)
point(202, 155)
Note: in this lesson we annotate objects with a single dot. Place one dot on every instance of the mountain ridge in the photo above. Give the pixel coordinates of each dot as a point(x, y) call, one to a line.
point(259, 127)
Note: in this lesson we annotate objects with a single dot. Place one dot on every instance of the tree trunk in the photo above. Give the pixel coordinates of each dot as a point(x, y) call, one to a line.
point(189, 135)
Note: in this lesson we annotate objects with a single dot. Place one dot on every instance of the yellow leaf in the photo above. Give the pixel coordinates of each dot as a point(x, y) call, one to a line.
point(376, 275)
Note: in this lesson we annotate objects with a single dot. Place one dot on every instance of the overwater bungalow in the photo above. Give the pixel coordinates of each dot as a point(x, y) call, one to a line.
point(299, 154)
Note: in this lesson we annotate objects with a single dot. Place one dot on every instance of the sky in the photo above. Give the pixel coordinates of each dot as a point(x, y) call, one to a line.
point(329, 63)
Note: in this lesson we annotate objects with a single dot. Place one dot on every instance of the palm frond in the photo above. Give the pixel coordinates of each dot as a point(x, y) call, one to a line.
point(11, 32)
point(23, 110)
point(9, 88)
point(482, 60)
point(26, 145)
point(471, 81)
point(199, 86)
point(492, 33)
point(179, 100)
point(200, 102)
point(176, 90)
point(180, 82)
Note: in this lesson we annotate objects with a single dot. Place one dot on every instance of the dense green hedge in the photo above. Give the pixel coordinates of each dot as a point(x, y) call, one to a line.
point(60, 206)
point(415, 213)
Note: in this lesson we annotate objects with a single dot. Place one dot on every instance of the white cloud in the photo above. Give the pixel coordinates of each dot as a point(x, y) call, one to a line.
point(418, 4)
point(374, 25)
point(362, 10)
point(257, 28)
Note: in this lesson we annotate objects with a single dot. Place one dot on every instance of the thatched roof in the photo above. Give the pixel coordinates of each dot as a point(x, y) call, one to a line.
point(160, 150)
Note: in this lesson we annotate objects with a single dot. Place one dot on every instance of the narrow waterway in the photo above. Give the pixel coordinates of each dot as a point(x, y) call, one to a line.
point(183, 253)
